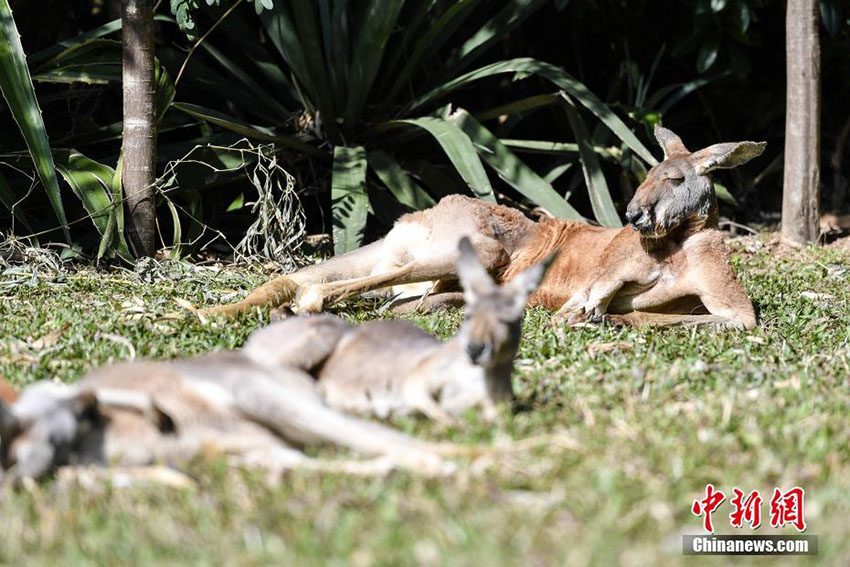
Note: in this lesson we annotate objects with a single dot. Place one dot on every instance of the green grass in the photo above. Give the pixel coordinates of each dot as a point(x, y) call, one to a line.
point(648, 427)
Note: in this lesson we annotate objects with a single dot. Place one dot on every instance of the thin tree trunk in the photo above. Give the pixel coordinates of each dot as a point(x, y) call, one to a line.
point(139, 125)
point(801, 192)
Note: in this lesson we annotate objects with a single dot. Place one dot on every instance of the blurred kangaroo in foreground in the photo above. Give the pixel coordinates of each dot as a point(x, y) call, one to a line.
point(394, 367)
point(136, 414)
point(670, 264)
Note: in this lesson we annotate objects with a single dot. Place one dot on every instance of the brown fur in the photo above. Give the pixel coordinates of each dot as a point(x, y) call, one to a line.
point(670, 254)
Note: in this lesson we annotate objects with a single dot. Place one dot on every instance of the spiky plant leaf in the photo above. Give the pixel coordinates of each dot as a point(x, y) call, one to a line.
point(510, 168)
point(16, 86)
point(349, 200)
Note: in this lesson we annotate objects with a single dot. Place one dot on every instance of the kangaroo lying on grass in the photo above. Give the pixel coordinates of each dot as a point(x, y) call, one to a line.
point(136, 414)
point(669, 264)
point(394, 367)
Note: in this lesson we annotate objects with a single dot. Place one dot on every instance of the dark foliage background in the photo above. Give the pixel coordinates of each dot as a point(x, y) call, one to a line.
point(712, 70)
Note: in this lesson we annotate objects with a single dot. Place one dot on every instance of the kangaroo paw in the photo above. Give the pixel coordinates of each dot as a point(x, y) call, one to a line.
point(281, 313)
point(309, 299)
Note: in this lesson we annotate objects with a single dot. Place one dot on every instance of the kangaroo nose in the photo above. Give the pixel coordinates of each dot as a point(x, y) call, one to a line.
point(636, 216)
point(475, 351)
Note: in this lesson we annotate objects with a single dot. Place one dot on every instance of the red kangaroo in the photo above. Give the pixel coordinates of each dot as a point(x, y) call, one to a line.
point(669, 267)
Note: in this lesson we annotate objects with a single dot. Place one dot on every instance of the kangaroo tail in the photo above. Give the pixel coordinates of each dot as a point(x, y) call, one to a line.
point(271, 294)
point(279, 291)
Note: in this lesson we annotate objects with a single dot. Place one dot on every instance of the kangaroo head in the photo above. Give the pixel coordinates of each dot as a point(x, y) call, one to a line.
point(51, 425)
point(493, 314)
point(44, 427)
point(679, 189)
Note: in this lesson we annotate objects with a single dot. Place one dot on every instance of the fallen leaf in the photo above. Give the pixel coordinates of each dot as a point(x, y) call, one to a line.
point(49, 339)
point(184, 304)
point(598, 348)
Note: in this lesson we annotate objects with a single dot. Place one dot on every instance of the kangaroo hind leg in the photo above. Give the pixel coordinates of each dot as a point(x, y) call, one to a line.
point(428, 265)
point(283, 289)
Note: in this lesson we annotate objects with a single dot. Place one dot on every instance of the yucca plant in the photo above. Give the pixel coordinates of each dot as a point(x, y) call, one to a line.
point(362, 95)
point(90, 60)
point(361, 86)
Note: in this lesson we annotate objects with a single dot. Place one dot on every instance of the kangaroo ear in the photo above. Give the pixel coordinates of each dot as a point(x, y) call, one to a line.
point(670, 142)
point(83, 404)
point(85, 407)
point(726, 155)
point(527, 281)
point(473, 277)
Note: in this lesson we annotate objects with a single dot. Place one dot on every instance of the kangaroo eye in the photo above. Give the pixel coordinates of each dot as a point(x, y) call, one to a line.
point(677, 180)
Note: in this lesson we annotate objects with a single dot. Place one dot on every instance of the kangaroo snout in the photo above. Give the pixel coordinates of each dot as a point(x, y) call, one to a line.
point(478, 352)
point(638, 217)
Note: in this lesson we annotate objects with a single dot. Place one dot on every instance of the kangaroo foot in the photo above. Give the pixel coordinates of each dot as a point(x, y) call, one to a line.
point(271, 294)
point(309, 299)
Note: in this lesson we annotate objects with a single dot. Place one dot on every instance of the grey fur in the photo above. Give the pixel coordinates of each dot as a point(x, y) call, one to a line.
point(393, 367)
point(223, 402)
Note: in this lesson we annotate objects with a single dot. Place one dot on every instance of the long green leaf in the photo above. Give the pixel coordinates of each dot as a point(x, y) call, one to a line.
point(308, 30)
point(439, 182)
point(378, 22)
point(16, 85)
point(597, 188)
point(349, 199)
point(238, 29)
point(511, 169)
point(247, 130)
point(89, 181)
point(165, 91)
point(92, 183)
point(97, 61)
point(177, 234)
point(518, 106)
point(276, 111)
point(207, 82)
point(194, 211)
point(116, 217)
point(109, 132)
point(110, 27)
point(337, 46)
point(281, 30)
point(41, 56)
point(412, 29)
point(401, 185)
point(509, 17)
point(555, 75)
point(683, 91)
point(457, 147)
point(559, 148)
point(384, 205)
point(557, 171)
point(432, 40)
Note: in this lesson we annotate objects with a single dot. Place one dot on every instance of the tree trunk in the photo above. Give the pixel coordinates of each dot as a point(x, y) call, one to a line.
point(139, 125)
point(801, 193)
